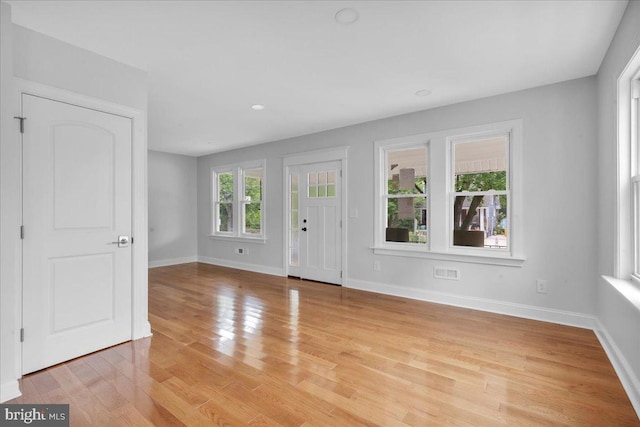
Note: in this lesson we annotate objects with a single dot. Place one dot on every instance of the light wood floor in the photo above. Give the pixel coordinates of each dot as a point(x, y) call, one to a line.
point(237, 348)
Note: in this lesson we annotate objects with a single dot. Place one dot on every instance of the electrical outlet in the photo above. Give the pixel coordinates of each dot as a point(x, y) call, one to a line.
point(542, 286)
point(376, 265)
point(241, 251)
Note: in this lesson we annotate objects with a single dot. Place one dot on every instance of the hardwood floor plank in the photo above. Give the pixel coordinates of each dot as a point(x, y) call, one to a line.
point(237, 348)
point(130, 417)
point(262, 421)
point(215, 414)
point(270, 407)
point(181, 410)
point(29, 391)
point(332, 385)
point(189, 394)
point(238, 407)
point(45, 382)
point(367, 410)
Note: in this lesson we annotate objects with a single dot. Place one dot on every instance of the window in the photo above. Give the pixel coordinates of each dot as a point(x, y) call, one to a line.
point(294, 226)
point(252, 201)
point(405, 195)
point(322, 184)
point(238, 198)
point(452, 195)
point(224, 203)
point(480, 192)
point(628, 191)
point(635, 173)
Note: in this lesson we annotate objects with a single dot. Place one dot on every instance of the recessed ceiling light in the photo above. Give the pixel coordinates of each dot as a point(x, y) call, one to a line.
point(346, 16)
point(257, 107)
point(423, 92)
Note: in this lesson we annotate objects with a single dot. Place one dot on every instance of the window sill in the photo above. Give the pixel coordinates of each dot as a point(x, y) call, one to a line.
point(259, 240)
point(627, 288)
point(484, 258)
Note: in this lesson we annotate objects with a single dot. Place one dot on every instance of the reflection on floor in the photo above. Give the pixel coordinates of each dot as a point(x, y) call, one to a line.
point(238, 348)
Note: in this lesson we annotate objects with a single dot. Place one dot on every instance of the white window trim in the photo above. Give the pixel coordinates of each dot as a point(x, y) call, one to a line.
point(635, 198)
point(461, 139)
point(382, 196)
point(237, 170)
point(628, 171)
point(439, 222)
point(215, 172)
point(242, 202)
point(635, 174)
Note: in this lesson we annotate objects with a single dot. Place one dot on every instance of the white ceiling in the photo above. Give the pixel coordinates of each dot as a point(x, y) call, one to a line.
point(208, 62)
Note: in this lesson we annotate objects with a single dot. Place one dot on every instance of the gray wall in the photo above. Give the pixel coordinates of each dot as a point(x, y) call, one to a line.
point(558, 179)
point(172, 208)
point(46, 60)
point(619, 318)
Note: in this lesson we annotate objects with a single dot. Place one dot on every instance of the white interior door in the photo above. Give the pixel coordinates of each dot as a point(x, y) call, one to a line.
point(320, 222)
point(76, 202)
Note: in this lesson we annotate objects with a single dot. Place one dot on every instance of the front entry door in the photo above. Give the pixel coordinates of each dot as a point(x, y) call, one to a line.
point(320, 222)
point(77, 227)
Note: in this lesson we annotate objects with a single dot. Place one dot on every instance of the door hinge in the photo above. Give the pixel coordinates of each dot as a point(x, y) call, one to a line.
point(341, 274)
point(21, 334)
point(132, 240)
point(22, 232)
point(340, 173)
point(22, 119)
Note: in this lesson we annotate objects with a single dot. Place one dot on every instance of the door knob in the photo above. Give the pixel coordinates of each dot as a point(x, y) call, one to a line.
point(123, 241)
point(304, 228)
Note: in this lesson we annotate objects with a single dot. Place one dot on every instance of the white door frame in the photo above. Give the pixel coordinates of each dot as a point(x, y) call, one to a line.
point(140, 326)
point(311, 157)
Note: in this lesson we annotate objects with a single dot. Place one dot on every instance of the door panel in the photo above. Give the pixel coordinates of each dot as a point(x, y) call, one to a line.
point(313, 236)
point(89, 181)
point(320, 205)
point(76, 202)
point(87, 278)
point(329, 244)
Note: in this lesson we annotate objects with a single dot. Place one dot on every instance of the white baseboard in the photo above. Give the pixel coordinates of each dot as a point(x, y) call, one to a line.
point(628, 377)
point(145, 332)
point(9, 390)
point(174, 261)
point(274, 271)
point(483, 304)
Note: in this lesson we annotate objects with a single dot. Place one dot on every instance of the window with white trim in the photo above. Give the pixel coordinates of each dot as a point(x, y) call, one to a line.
point(431, 189)
point(479, 194)
point(628, 174)
point(635, 172)
point(406, 194)
point(238, 200)
point(224, 202)
point(252, 208)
